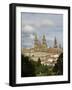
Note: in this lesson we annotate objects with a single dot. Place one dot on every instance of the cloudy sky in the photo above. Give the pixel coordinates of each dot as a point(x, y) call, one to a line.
point(41, 23)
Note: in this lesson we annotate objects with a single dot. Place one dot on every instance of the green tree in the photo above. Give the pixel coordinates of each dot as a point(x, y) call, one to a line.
point(58, 68)
point(39, 61)
point(27, 67)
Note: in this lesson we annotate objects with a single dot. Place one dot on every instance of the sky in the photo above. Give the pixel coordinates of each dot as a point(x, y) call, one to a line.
point(48, 24)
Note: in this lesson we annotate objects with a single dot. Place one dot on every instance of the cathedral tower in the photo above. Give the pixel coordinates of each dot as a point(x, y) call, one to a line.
point(35, 41)
point(44, 44)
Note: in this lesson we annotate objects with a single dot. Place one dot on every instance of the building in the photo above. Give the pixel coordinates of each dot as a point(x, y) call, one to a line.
point(48, 56)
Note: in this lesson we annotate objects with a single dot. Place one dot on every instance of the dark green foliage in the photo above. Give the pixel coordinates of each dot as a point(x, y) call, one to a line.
point(30, 67)
point(27, 67)
point(39, 61)
point(58, 68)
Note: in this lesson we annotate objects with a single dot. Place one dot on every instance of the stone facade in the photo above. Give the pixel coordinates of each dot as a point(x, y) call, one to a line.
point(48, 56)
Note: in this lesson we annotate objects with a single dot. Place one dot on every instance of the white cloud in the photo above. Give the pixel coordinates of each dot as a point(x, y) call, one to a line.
point(37, 23)
point(28, 28)
point(47, 23)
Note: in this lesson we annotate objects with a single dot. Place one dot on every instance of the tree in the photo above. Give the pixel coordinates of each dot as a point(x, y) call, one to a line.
point(58, 68)
point(39, 61)
point(27, 67)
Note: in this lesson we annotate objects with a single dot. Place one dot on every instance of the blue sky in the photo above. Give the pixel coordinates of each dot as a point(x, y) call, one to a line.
point(41, 23)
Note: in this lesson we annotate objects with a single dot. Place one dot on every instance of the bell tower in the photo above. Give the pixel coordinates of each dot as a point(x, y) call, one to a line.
point(44, 44)
point(35, 41)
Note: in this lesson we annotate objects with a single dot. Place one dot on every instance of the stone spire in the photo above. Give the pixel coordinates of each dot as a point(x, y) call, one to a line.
point(36, 41)
point(55, 43)
point(35, 36)
point(44, 44)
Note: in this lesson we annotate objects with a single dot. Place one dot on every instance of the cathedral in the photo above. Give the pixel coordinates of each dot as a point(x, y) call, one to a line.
point(38, 45)
point(48, 56)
